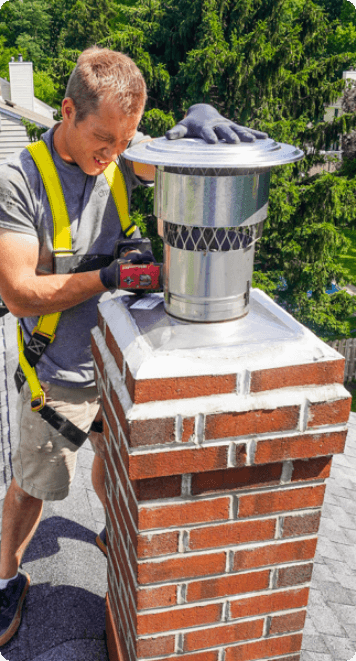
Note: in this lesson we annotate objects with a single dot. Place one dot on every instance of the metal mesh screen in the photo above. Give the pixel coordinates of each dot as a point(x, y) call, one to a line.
point(211, 239)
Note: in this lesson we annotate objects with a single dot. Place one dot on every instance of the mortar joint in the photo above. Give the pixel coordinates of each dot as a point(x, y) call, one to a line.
point(251, 447)
point(179, 643)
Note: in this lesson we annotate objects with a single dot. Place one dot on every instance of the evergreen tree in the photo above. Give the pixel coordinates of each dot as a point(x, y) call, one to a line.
point(25, 26)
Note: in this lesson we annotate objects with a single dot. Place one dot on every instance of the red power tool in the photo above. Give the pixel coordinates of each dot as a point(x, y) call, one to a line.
point(137, 276)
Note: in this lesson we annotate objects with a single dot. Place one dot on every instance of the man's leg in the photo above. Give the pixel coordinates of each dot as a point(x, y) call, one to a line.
point(20, 518)
point(98, 478)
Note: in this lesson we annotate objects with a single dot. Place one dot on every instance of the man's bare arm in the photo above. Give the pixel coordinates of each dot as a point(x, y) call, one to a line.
point(28, 294)
point(142, 170)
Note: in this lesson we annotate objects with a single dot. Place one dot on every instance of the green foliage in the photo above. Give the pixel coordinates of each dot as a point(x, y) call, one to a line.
point(5, 57)
point(333, 8)
point(347, 260)
point(155, 122)
point(269, 64)
point(45, 88)
point(33, 131)
point(25, 26)
point(87, 23)
point(264, 63)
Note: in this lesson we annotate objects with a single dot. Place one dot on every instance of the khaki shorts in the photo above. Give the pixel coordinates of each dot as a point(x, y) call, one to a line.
point(44, 462)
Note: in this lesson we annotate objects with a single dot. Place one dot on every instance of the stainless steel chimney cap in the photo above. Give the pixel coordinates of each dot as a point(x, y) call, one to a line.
point(196, 153)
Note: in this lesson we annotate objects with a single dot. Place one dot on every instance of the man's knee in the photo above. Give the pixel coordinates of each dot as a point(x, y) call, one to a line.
point(20, 495)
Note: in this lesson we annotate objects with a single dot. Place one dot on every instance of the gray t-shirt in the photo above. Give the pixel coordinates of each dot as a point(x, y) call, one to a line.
point(95, 227)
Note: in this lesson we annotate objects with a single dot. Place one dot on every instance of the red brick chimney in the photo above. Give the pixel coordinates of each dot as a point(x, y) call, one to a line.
point(219, 441)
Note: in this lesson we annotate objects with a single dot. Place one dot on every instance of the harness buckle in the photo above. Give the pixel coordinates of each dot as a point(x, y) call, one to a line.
point(37, 403)
point(45, 335)
point(64, 260)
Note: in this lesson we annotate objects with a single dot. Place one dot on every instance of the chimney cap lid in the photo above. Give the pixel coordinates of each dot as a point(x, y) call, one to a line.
point(196, 153)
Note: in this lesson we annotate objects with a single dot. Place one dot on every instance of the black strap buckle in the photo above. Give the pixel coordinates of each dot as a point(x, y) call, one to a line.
point(35, 347)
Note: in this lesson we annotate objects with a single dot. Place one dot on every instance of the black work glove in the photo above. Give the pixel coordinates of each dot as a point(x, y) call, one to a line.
point(203, 121)
point(110, 275)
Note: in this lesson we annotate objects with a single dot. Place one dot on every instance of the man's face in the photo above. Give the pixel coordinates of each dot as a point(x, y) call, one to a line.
point(99, 139)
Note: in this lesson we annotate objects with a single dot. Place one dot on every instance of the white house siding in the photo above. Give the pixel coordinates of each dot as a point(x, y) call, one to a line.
point(13, 136)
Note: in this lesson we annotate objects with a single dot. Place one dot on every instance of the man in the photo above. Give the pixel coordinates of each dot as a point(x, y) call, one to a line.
point(104, 102)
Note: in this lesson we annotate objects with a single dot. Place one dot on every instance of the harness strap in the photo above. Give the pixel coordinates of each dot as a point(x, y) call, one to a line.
point(47, 169)
point(44, 333)
point(38, 398)
point(63, 425)
point(116, 181)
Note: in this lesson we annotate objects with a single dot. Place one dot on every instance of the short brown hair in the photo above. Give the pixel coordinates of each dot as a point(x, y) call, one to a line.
point(101, 72)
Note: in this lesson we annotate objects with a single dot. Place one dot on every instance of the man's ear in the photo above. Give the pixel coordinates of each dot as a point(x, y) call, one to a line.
point(68, 109)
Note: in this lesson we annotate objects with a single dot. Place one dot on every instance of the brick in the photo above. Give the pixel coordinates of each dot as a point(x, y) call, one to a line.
point(177, 462)
point(222, 425)
point(185, 567)
point(109, 473)
point(157, 597)
point(130, 383)
point(101, 322)
point(97, 357)
point(119, 411)
point(312, 469)
point(227, 585)
point(149, 546)
point(188, 428)
point(119, 465)
point(132, 611)
point(132, 505)
point(114, 348)
point(268, 603)
point(124, 455)
point(122, 616)
point(151, 432)
point(299, 447)
point(236, 478)
point(273, 554)
point(231, 533)
point(149, 647)
point(110, 415)
point(115, 643)
point(178, 618)
point(222, 635)
point(203, 656)
point(306, 524)
point(265, 649)
point(132, 557)
point(121, 506)
point(295, 575)
point(169, 486)
point(153, 390)
point(113, 520)
point(106, 430)
point(119, 558)
point(183, 514)
point(329, 413)
point(279, 501)
point(317, 374)
point(288, 622)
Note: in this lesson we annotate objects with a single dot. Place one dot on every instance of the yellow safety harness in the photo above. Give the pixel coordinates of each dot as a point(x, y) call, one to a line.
point(44, 333)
